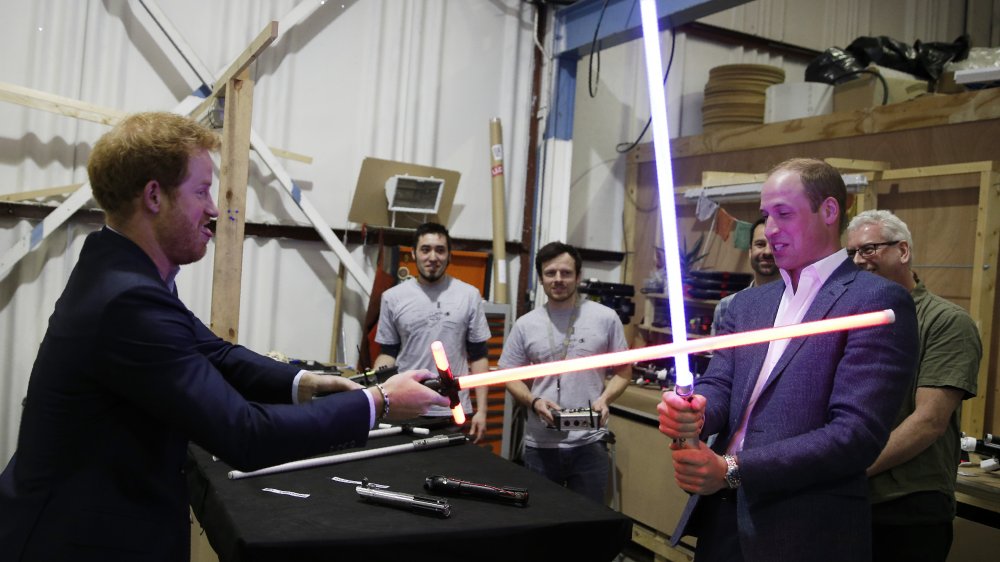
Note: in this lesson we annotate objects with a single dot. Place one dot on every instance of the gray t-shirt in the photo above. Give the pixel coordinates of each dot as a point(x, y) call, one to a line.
point(415, 315)
point(538, 337)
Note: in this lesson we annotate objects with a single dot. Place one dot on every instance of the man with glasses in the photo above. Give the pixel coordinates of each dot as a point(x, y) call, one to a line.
point(799, 420)
point(912, 482)
point(762, 263)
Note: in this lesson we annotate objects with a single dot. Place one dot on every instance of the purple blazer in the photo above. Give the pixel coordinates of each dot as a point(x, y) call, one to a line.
point(822, 418)
point(126, 375)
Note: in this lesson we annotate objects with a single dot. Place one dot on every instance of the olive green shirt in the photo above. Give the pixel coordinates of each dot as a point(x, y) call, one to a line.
point(949, 355)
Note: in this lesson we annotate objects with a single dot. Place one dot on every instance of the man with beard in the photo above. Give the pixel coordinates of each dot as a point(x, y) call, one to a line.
point(126, 375)
point(436, 307)
point(798, 420)
point(912, 483)
point(762, 263)
point(566, 327)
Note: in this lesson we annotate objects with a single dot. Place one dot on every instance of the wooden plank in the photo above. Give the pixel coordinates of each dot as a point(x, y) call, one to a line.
point(338, 312)
point(61, 105)
point(854, 165)
point(238, 66)
point(234, 171)
point(942, 170)
point(36, 193)
point(50, 223)
point(629, 237)
point(37, 99)
point(659, 545)
point(716, 179)
point(289, 155)
point(984, 284)
point(922, 112)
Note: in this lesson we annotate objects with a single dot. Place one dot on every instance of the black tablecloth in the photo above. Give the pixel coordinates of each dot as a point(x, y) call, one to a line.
point(244, 523)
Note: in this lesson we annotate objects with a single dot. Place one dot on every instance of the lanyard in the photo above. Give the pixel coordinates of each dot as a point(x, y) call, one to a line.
point(566, 340)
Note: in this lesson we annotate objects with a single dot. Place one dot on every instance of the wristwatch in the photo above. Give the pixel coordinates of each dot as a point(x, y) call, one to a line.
point(732, 472)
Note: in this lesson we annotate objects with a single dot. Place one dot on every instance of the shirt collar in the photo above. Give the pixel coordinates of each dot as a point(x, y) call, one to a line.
point(820, 270)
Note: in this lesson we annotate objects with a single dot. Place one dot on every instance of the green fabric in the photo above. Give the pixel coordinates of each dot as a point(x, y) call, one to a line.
point(741, 235)
point(950, 350)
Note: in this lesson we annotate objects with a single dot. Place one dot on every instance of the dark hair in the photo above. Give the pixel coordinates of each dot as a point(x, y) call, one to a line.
point(431, 228)
point(760, 220)
point(144, 147)
point(553, 250)
point(821, 181)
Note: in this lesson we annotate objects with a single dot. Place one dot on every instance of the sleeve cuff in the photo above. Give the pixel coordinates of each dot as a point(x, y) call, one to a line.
point(371, 408)
point(295, 386)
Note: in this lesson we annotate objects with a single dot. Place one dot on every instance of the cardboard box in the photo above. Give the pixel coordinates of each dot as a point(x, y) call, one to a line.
point(866, 91)
point(946, 84)
point(795, 100)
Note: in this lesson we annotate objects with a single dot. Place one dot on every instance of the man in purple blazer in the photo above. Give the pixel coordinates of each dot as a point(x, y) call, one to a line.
point(799, 420)
point(126, 375)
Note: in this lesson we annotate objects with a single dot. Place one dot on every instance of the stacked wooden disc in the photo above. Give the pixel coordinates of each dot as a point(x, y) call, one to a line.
point(734, 95)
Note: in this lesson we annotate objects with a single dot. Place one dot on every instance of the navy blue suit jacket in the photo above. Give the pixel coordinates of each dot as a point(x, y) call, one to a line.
point(126, 375)
point(822, 418)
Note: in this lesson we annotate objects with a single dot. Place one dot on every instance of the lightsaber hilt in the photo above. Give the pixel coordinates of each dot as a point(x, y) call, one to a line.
point(412, 502)
point(448, 386)
point(455, 487)
point(686, 392)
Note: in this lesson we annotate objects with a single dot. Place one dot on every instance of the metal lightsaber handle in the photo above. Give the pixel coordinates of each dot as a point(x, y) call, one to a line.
point(686, 392)
point(452, 486)
point(436, 506)
point(449, 387)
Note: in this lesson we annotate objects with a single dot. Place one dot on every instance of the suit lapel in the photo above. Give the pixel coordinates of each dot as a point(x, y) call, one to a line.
point(756, 354)
point(828, 295)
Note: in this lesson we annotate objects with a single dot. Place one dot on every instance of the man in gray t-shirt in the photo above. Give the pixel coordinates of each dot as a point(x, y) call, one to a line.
point(436, 306)
point(566, 327)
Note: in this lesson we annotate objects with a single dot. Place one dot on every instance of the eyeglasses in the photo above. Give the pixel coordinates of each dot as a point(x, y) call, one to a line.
point(869, 250)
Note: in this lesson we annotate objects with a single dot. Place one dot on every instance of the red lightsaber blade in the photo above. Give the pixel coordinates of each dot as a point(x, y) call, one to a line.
point(449, 387)
point(673, 349)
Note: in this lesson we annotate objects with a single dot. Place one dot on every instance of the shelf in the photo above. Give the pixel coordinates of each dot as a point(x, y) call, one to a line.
point(669, 332)
point(687, 300)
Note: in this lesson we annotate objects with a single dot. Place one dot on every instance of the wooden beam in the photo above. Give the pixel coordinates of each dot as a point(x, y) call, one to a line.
point(240, 64)
point(52, 103)
point(37, 99)
point(854, 165)
point(289, 155)
point(715, 179)
point(983, 297)
point(234, 171)
point(943, 170)
point(36, 193)
point(659, 545)
point(338, 312)
point(919, 113)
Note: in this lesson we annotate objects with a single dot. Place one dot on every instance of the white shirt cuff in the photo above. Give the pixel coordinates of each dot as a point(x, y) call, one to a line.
point(295, 386)
point(371, 407)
